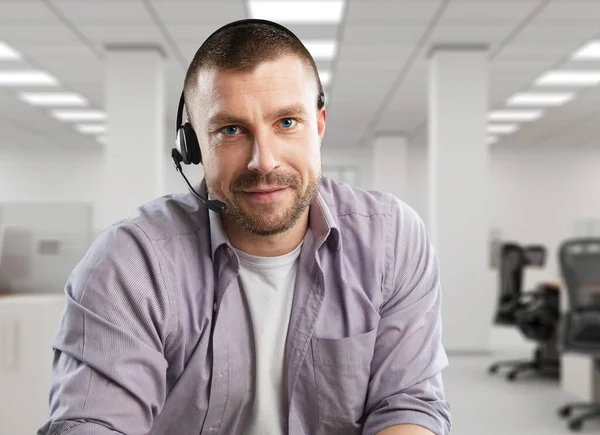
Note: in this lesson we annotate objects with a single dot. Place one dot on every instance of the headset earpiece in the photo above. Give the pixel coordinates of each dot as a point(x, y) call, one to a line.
point(321, 100)
point(187, 145)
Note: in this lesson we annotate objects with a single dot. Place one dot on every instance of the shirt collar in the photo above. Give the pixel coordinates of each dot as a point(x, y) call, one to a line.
point(322, 224)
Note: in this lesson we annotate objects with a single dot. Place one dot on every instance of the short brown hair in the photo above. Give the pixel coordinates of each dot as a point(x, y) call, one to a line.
point(243, 47)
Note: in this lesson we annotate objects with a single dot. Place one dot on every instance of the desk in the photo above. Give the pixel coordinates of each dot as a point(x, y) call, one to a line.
point(28, 323)
point(580, 377)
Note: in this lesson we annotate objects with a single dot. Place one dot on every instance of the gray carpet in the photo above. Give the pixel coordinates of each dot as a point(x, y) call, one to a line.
point(484, 404)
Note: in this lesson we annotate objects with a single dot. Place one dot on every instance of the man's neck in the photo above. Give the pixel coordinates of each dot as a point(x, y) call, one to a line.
point(266, 246)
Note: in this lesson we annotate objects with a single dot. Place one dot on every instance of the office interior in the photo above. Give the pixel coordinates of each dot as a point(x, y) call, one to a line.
point(482, 115)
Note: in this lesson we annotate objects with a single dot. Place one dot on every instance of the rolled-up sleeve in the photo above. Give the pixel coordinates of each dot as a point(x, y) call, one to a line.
point(109, 370)
point(406, 372)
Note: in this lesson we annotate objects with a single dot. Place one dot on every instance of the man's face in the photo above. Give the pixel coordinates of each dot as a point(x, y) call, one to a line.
point(260, 135)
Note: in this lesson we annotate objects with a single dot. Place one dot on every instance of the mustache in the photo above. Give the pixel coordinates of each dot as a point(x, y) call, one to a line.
point(248, 180)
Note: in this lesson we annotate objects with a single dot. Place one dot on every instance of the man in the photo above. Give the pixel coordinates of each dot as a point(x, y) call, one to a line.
point(307, 307)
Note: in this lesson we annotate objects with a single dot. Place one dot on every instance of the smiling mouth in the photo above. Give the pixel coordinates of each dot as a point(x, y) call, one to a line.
point(265, 195)
point(274, 189)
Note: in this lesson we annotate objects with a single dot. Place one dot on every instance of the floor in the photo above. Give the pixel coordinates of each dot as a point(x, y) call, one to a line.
point(484, 404)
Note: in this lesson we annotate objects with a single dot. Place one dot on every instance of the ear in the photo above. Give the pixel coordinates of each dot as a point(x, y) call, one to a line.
point(321, 121)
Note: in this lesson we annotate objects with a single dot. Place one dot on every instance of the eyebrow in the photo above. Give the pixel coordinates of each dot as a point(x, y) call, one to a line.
point(223, 118)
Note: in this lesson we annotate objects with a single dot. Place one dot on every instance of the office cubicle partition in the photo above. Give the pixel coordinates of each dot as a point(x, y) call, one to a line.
point(42, 244)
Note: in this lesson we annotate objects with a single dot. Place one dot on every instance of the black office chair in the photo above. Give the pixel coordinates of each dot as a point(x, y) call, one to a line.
point(536, 313)
point(580, 325)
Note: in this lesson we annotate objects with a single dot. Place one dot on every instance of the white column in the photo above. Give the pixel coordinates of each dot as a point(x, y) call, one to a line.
point(458, 193)
point(390, 165)
point(135, 151)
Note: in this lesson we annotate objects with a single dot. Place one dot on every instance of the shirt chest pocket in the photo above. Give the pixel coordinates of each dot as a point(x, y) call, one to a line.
point(342, 369)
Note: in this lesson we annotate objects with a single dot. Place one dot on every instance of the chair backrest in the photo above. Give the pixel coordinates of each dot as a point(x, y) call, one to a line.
point(580, 268)
point(510, 282)
point(535, 255)
point(512, 261)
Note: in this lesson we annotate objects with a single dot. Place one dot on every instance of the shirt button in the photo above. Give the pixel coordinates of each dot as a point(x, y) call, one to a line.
point(221, 376)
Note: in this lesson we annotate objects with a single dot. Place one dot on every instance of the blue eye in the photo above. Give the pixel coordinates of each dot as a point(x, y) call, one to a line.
point(230, 130)
point(287, 122)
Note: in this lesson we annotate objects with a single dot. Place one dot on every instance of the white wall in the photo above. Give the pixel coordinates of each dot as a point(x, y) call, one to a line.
point(49, 176)
point(359, 157)
point(539, 193)
point(418, 182)
point(53, 176)
point(536, 195)
point(390, 164)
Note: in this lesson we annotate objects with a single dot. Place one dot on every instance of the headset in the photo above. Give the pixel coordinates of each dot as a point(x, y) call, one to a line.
point(187, 148)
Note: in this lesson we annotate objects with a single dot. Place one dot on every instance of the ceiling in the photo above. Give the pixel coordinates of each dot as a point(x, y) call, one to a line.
point(380, 72)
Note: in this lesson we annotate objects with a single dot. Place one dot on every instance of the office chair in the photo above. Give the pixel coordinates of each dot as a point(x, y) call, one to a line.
point(536, 313)
point(580, 325)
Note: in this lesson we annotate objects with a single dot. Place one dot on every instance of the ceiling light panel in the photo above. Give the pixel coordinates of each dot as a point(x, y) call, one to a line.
point(27, 78)
point(53, 99)
point(515, 115)
point(569, 78)
point(79, 115)
point(589, 51)
point(502, 128)
point(91, 128)
point(8, 53)
point(321, 50)
point(540, 99)
point(286, 12)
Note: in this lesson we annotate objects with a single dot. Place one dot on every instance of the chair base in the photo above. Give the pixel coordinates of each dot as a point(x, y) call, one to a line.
point(591, 410)
point(541, 364)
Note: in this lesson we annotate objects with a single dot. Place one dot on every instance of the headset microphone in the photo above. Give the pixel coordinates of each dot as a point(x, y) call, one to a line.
point(213, 204)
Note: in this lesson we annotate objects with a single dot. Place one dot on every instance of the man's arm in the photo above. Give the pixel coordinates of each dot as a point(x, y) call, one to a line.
point(406, 392)
point(109, 372)
point(405, 429)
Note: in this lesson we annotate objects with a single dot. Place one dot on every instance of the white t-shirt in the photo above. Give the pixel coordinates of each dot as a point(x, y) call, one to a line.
point(268, 287)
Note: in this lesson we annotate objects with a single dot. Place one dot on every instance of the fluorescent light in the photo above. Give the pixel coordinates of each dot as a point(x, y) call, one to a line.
point(589, 51)
point(53, 99)
point(325, 77)
point(8, 53)
point(91, 128)
point(297, 11)
point(26, 78)
point(321, 49)
point(79, 115)
point(515, 115)
point(502, 128)
point(540, 99)
point(572, 78)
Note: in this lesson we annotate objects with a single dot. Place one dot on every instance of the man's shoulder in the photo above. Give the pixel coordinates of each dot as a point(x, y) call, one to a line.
point(167, 216)
point(344, 199)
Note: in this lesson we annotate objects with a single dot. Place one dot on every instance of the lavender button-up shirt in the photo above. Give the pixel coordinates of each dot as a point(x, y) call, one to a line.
point(155, 338)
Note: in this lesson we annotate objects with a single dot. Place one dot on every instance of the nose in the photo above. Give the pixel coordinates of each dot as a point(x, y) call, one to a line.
point(265, 157)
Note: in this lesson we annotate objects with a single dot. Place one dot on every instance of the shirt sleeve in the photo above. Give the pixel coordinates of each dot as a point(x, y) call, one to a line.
point(109, 370)
point(406, 372)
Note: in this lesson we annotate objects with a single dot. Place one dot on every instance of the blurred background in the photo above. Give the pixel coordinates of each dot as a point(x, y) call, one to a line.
point(483, 115)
